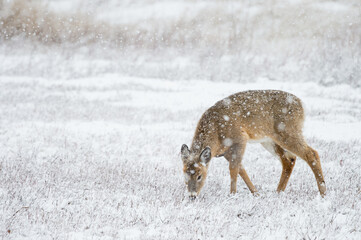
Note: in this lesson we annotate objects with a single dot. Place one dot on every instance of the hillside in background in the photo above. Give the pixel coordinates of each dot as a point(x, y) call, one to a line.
point(241, 41)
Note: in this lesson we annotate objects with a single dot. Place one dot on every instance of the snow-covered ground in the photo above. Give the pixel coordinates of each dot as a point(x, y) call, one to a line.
point(98, 157)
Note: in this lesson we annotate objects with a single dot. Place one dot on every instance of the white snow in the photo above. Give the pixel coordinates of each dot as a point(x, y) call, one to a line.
point(75, 166)
point(226, 118)
point(281, 126)
point(227, 142)
point(226, 101)
point(289, 99)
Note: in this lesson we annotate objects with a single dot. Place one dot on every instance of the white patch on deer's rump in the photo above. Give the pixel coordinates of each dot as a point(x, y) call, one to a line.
point(261, 140)
point(270, 147)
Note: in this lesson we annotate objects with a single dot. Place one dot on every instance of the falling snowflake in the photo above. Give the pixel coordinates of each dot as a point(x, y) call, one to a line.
point(227, 142)
point(281, 126)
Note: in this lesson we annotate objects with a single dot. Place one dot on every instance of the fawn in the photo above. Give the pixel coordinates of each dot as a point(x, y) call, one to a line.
point(270, 117)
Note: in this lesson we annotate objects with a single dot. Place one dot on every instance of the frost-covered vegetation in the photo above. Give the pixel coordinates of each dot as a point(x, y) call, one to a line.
point(96, 99)
point(99, 157)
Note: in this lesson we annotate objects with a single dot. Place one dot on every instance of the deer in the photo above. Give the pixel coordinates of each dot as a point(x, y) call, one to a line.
point(272, 118)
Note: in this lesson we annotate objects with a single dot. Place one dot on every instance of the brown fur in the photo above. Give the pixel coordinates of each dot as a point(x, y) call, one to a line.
point(227, 126)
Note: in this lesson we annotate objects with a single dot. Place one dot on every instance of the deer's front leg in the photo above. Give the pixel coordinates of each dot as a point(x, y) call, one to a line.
point(234, 173)
point(244, 175)
point(234, 156)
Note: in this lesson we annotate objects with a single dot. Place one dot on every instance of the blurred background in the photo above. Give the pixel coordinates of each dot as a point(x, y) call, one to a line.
point(238, 41)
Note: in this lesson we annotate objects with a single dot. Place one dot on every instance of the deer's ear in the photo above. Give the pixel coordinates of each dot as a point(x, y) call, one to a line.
point(185, 152)
point(206, 155)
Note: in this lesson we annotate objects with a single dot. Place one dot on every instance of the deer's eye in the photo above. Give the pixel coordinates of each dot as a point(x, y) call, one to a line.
point(199, 177)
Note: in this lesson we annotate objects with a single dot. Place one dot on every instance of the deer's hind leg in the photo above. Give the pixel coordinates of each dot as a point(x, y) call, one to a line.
point(287, 159)
point(298, 146)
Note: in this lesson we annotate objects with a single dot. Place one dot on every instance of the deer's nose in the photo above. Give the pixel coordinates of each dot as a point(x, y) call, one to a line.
point(192, 195)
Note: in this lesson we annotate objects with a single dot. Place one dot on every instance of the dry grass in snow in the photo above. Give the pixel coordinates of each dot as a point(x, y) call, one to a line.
point(99, 158)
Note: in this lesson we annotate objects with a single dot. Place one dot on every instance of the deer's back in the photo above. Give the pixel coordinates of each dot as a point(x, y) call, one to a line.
point(260, 113)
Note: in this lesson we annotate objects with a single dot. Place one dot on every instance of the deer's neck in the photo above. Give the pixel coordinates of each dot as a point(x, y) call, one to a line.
point(204, 136)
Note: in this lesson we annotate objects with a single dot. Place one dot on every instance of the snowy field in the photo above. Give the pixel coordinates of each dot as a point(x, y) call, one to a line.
point(97, 98)
point(99, 158)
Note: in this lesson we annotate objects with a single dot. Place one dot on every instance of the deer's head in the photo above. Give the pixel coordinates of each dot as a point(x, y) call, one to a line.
point(195, 167)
